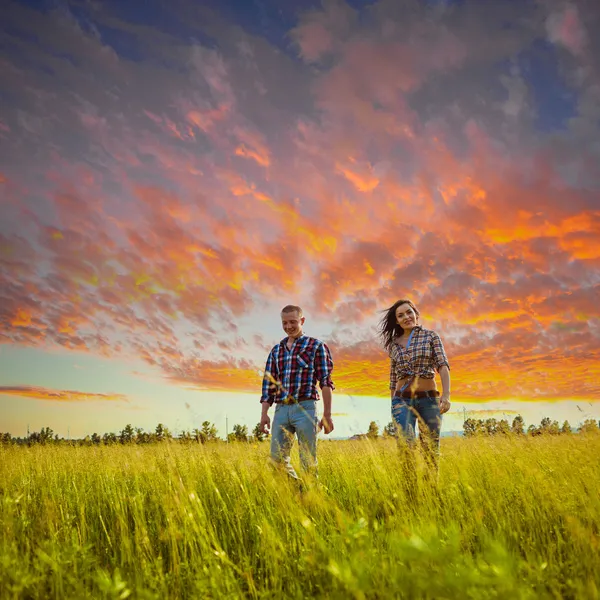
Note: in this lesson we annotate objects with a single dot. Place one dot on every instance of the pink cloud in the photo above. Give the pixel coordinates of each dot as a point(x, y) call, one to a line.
point(319, 31)
point(161, 206)
point(566, 28)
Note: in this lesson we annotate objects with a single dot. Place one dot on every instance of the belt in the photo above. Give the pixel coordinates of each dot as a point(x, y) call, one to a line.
point(293, 400)
point(408, 394)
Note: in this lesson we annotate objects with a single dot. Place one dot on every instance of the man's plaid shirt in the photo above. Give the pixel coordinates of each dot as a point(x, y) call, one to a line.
point(424, 356)
point(296, 372)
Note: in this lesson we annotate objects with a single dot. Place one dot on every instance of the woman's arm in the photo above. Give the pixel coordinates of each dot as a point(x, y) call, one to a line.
point(444, 372)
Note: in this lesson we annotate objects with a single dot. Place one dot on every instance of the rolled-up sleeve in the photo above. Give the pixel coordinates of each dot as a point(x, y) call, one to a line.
point(269, 388)
point(438, 353)
point(324, 366)
point(393, 376)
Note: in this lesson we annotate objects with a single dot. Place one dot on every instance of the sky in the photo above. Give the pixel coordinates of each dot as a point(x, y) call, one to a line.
point(173, 173)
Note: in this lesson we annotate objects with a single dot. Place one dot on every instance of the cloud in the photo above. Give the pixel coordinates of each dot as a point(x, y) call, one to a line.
point(487, 413)
point(42, 393)
point(565, 28)
point(160, 197)
point(319, 31)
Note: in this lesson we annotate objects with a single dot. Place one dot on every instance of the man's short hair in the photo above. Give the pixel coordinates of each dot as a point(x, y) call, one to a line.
point(292, 308)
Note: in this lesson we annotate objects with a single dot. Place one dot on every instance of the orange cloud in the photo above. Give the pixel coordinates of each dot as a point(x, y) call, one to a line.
point(386, 168)
point(363, 183)
point(21, 319)
point(41, 393)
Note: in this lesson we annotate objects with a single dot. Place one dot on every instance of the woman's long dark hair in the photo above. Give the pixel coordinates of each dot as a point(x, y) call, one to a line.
point(388, 326)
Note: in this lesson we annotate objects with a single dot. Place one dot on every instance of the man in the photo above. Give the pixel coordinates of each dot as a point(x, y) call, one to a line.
point(293, 369)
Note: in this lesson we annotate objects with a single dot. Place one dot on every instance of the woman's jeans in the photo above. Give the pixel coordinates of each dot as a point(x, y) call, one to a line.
point(300, 419)
point(407, 411)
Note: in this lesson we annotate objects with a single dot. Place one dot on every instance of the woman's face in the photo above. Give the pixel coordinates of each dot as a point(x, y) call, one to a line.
point(406, 316)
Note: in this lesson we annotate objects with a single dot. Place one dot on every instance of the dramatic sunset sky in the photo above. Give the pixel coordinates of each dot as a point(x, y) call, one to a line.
point(173, 172)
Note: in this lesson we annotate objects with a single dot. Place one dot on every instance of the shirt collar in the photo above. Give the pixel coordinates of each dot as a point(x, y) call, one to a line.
point(285, 339)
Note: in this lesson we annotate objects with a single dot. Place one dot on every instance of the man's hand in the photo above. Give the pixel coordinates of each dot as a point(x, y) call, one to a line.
point(265, 424)
point(326, 424)
point(444, 403)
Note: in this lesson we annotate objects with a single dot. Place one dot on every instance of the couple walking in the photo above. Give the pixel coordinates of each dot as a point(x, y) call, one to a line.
point(298, 363)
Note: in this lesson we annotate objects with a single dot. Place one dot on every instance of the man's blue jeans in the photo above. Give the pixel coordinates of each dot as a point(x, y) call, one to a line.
point(300, 419)
point(406, 411)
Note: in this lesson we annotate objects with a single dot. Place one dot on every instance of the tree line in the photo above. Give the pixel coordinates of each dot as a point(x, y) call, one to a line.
point(207, 433)
point(472, 427)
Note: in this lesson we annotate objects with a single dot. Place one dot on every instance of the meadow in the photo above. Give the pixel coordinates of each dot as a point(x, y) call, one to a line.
point(510, 517)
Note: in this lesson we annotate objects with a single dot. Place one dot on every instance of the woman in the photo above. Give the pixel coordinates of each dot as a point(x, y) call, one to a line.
point(415, 354)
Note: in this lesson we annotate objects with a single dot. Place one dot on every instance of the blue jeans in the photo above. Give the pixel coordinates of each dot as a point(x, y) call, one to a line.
point(406, 411)
point(300, 419)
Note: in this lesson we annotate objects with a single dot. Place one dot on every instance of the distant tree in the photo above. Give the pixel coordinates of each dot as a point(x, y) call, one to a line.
point(258, 434)
point(6, 439)
point(96, 439)
point(208, 432)
point(549, 427)
point(185, 437)
point(474, 427)
point(127, 434)
point(239, 434)
point(143, 437)
point(566, 428)
point(589, 426)
point(518, 425)
point(503, 427)
point(533, 430)
point(44, 436)
point(491, 425)
point(469, 427)
point(161, 433)
point(390, 429)
point(110, 438)
point(373, 432)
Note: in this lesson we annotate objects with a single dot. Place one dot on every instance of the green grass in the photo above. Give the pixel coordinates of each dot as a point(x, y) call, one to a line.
point(509, 519)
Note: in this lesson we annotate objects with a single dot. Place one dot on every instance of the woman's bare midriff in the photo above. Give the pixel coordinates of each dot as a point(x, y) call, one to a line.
point(419, 385)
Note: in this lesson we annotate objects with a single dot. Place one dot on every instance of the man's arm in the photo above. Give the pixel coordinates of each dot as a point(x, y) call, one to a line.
point(268, 393)
point(326, 421)
point(265, 420)
point(324, 369)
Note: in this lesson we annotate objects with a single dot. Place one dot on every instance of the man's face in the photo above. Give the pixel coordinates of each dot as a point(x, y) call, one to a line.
point(292, 323)
point(406, 316)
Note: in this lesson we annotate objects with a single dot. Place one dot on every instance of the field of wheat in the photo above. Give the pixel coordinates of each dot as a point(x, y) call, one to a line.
point(508, 518)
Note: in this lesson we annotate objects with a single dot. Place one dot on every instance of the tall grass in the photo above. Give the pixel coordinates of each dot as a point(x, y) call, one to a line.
point(508, 518)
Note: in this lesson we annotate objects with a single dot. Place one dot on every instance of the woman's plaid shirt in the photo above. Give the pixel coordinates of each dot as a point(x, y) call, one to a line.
point(424, 356)
point(293, 374)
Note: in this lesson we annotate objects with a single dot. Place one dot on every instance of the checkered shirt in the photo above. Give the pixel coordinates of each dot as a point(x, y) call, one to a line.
point(424, 356)
point(295, 373)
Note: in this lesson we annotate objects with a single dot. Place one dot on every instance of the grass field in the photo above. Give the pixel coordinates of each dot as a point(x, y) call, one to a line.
point(511, 518)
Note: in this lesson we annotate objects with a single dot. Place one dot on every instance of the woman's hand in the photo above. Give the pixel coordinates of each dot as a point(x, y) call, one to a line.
point(444, 403)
